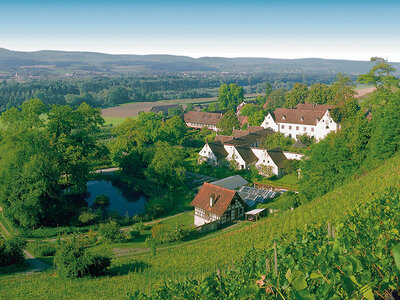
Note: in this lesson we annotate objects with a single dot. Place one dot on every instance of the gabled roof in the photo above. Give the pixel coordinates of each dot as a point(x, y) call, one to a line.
point(239, 133)
point(218, 150)
point(222, 138)
point(247, 155)
point(250, 138)
point(253, 129)
point(222, 195)
point(231, 182)
point(278, 157)
point(202, 117)
point(298, 116)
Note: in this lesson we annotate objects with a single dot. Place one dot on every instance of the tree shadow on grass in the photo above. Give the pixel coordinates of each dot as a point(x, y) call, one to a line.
point(132, 267)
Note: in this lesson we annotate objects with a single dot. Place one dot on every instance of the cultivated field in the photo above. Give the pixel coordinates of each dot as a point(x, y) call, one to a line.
point(364, 91)
point(132, 109)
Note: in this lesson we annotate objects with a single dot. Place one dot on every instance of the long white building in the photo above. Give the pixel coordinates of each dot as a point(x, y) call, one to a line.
point(313, 120)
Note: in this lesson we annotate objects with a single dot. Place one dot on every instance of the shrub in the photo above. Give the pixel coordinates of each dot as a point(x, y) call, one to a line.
point(134, 234)
point(73, 261)
point(12, 251)
point(88, 217)
point(110, 232)
point(101, 201)
point(42, 248)
point(141, 227)
point(166, 234)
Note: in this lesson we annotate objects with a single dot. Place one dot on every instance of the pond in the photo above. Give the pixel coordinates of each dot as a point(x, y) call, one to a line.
point(122, 201)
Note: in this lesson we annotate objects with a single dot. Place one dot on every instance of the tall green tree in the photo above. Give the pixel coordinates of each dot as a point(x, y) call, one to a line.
point(320, 94)
point(228, 122)
point(298, 94)
point(73, 135)
point(230, 96)
point(380, 75)
point(166, 166)
point(36, 156)
point(343, 89)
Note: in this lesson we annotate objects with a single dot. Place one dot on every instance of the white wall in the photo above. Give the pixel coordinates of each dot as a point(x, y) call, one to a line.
point(293, 155)
point(198, 221)
point(318, 131)
point(199, 126)
point(269, 122)
point(207, 152)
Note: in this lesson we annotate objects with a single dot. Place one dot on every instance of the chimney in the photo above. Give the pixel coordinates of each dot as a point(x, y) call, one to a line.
point(212, 200)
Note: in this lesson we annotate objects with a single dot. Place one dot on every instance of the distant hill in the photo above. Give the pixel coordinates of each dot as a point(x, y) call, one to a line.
point(51, 63)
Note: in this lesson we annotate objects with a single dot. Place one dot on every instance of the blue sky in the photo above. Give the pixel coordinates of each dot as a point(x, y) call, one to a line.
point(281, 29)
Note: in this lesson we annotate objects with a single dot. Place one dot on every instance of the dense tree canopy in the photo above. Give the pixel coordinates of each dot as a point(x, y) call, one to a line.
point(298, 94)
point(228, 122)
point(360, 145)
point(36, 156)
point(230, 96)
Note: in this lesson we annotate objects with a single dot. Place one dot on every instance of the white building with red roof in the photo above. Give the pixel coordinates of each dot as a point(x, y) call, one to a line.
point(313, 120)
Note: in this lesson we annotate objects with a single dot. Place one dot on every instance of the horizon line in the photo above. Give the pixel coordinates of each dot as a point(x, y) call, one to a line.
point(194, 57)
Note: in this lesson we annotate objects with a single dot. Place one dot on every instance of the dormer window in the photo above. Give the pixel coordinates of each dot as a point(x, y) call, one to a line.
point(283, 117)
point(212, 200)
point(302, 118)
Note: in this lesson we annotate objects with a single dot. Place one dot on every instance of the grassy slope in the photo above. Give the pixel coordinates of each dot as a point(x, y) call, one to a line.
point(194, 258)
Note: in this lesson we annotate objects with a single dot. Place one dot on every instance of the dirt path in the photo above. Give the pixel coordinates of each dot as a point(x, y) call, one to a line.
point(35, 265)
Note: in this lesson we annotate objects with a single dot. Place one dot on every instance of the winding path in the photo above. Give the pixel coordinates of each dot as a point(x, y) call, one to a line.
point(35, 264)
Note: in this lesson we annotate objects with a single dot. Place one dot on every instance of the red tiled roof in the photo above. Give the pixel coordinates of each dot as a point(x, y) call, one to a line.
point(202, 117)
point(239, 133)
point(223, 198)
point(298, 116)
point(243, 120)
point(253, 129)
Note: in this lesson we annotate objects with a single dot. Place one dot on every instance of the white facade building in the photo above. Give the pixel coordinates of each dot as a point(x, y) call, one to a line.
point(314, 121)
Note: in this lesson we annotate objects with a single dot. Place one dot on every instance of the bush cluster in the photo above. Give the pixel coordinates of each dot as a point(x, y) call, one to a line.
point(12, 251)
point(72, 260)
point(166, 234)
point(110, 232)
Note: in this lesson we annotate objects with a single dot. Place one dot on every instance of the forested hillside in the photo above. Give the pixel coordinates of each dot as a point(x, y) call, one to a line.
point(46, 63)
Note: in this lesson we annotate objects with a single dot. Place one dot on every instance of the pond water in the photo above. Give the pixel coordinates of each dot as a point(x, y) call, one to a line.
point(122, 201)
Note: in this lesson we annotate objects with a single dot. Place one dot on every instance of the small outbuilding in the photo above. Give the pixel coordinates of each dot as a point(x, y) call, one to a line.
point(217, 205)
point(255, 214)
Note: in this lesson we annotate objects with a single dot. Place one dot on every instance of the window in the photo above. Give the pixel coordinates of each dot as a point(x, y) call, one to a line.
point(283, 126)
point(297, 127)
point(305, 128)
point(263, 160)
point(312, 129)
point(290, 126)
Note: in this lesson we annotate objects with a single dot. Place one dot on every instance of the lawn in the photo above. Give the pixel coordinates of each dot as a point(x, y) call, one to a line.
point(114, 121)
point(288, 181)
